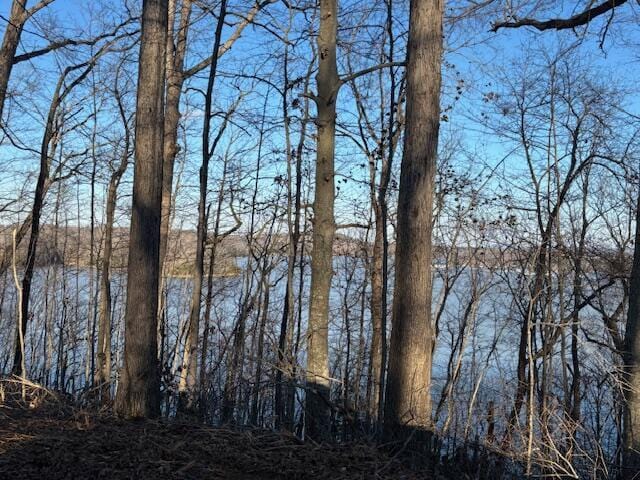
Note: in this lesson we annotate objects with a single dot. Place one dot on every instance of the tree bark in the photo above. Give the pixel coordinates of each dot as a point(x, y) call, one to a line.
point(188, 377)
point(17, 18)
point(408, 398)
point(175, 79)
point(631, 357)
point(255, 394)
point(377, 314)
point(103, 374)
point(139, 389)
point(317, 375)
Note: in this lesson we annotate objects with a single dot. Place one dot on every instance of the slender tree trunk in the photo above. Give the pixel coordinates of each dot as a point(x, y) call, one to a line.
point(575, 407)
point(103, 377)
point(209, 298)
point(346, 374)
point(235, 367)
point(17, 19)
point(255, 395)
point(408, 398)
point(362, 342)
point(188, 377)
point(318, 386)
point(47, 149)
point(380, 257)
point(91, 307)
point(376, 313)
point(284, 393)
point(175, 55)
point(248, 300)
point(27, 279)
point(104, 320)
point(286, 323)
point(139, 388)
point(176, 76)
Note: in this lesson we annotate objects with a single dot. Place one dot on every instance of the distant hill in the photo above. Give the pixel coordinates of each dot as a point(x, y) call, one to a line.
point(72, 247)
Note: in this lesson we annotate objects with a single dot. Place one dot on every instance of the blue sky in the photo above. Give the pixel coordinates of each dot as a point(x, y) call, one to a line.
point(475, 53)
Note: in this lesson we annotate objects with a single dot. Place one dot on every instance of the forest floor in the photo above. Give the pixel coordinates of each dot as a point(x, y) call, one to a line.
point(53, 440)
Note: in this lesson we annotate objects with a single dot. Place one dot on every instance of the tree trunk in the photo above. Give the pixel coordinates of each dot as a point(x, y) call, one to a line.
point(318, 387)
point(631, 356)
point(175, 79)
point(139, 389)
point(377, 315)
point(47, 148)
point(286, 322)
point(17, 19)
point(284, 389)
point(36, 211)
point(408, 399)
point(188, 377)
point(209, 298)
point(255, 394)
point(176, 75)
point(104, 320)
point(380, 256)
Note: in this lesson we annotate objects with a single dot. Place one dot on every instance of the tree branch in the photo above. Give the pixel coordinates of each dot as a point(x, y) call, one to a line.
point(365, 71)
point(562, 23)
point(343, 226)
point(231, 40)
point(70, 42)
point(38, 6)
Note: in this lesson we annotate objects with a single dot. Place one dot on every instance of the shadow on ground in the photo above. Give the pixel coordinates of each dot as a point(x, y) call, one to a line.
point(56, 442)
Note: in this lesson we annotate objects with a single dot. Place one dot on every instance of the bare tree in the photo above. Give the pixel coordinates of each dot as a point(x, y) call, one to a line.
point(408, 398)
point(328, 82)
point(50, 140)
point(188, 378)
point(138, 392)
point(17, 19)
point(632, 335)
point(103, 374)
point(177, 74)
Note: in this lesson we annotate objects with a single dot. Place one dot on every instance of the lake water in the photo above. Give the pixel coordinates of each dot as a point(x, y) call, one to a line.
point(62, 309)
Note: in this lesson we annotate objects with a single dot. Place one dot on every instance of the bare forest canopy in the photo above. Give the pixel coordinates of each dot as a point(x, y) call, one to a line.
point(400, 226)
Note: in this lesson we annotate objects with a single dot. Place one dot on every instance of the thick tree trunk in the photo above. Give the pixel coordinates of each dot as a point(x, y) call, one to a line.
point(139, 389)
point(631, 356)
point(318, 387)
point(408, 399)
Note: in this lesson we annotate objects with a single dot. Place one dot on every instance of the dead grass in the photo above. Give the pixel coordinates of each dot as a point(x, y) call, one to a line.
point(44, 436)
